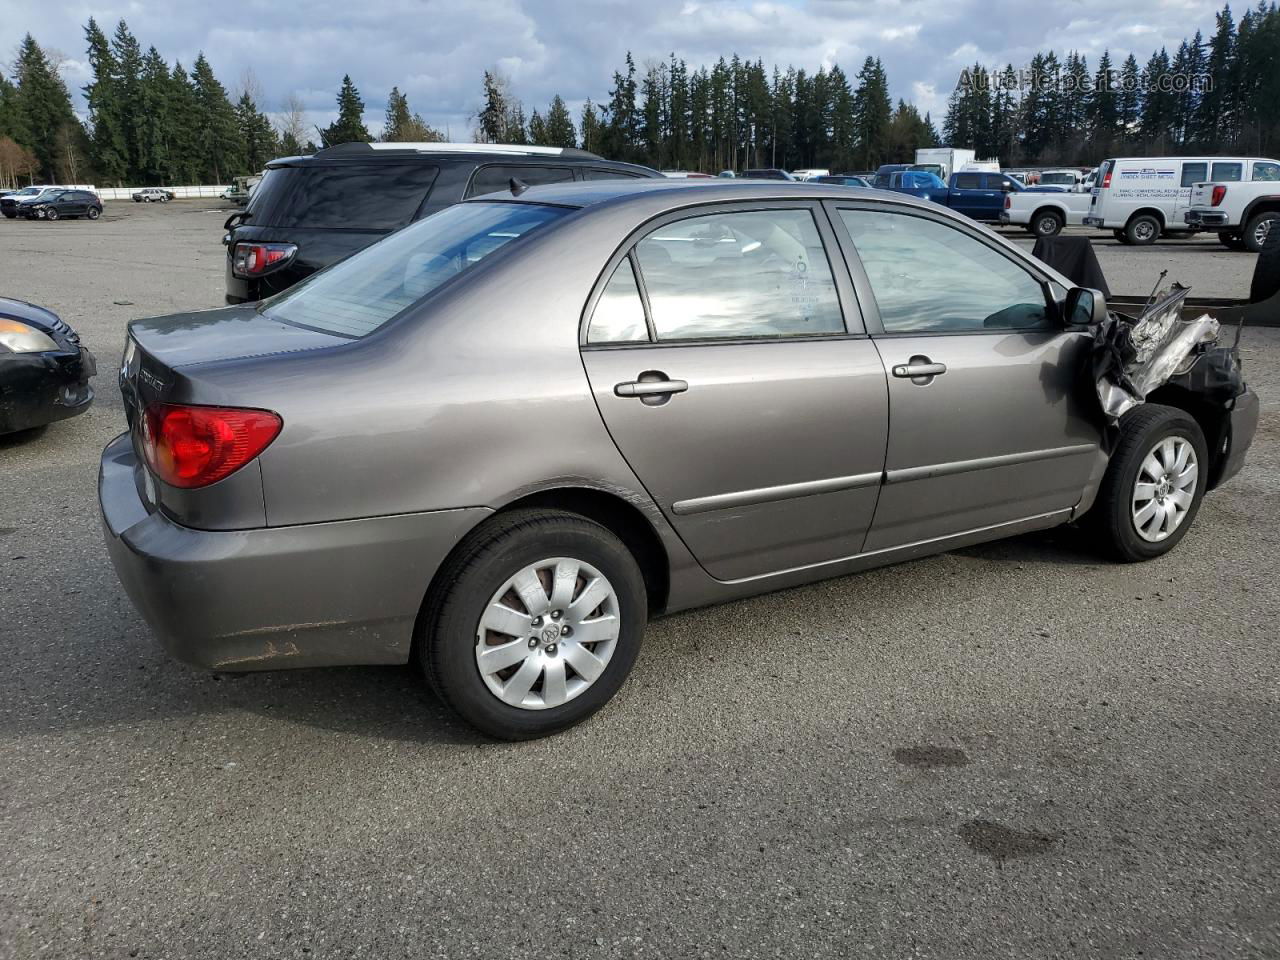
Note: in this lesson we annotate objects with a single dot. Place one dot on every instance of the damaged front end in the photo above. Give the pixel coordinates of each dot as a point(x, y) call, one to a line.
point(1161, 357)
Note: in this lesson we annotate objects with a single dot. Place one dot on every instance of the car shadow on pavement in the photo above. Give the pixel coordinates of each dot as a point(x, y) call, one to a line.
point(1063, 546)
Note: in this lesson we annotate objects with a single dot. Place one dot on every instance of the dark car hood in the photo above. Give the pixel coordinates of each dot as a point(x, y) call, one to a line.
point(25, 312)
point(204, 336)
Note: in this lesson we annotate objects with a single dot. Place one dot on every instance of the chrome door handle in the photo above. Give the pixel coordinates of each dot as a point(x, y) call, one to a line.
point(920, 370)
point(650, 388)
point(913, 370)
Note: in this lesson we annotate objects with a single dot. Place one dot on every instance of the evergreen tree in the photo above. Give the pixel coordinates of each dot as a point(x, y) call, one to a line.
point(257, 137)
point(1215, 125)
point(493, 116)
point(108, 143)
point(42, 107)
point(558, 125)
point(127, 89)
point(1102, 106)
point(349, 126)
point(221, 152)
point(592, 128)
point(155, 132)
point(186, 161)
point(622, 123)
point(1129, 100)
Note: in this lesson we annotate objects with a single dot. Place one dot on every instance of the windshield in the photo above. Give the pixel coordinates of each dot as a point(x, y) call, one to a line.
point(1058, 180)
point(357, 295)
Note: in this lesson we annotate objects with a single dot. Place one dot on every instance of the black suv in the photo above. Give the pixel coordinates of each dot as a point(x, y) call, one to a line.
point(309, 212)
point(61, 204)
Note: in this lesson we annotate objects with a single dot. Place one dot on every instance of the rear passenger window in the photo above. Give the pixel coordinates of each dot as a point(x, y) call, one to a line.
point(619, 314)
point(356, 196)
point(1194, 173)
point(595, 173)
point(928, 277)
point(1227, 172)
point(968, 181)
point(1265, 170)
point(735, 275)
point(497, 179)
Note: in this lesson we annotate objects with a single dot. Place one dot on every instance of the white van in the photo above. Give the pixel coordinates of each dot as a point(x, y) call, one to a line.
point(1140, 198)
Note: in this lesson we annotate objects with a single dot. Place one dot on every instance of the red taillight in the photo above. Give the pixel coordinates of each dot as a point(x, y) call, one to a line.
point(1106, 179)
point(188, 446)
point(255, 259)
point(1008, 201)
point(1218, 193)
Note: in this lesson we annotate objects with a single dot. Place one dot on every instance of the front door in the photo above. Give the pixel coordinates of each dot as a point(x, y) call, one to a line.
point(991, 415)
point(721, 362)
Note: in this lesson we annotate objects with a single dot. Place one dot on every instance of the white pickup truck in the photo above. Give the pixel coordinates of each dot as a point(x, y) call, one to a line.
point(1242, 211)
point(1044, 214)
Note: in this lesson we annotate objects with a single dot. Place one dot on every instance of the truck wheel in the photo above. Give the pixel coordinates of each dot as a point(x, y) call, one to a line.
point(1232, 241)
point(1047, 223)
point(1257, 230)
point(535, 623)
point(1266, 272)
point(1142, 230)
point(1153, 486)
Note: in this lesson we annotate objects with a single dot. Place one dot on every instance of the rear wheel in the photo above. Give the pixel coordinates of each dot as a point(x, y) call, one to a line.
point(94, 213)
point(1047, 223)
point(536, 624)
point(1142, 230)
point(1257, 230)
point(1153, 485)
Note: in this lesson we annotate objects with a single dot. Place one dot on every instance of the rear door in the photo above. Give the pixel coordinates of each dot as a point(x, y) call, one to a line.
point(729, 363)
point(991, 416)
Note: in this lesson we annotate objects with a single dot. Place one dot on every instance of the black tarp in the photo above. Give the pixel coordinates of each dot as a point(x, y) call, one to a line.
point(1072, 257)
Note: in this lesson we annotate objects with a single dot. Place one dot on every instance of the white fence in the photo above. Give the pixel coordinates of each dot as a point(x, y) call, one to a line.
point(180, 193)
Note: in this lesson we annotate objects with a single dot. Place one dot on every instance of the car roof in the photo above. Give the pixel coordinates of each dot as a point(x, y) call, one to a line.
point(674, 194)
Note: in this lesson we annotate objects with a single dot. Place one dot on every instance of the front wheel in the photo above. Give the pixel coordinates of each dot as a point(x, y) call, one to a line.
point(536, 623)
point(51, 214)
point(1154, 483)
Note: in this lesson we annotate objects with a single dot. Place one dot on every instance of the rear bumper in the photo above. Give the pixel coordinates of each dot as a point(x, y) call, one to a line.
point(321, 594)
point(1205, 219)
point(42, 388)
point(1243, 423)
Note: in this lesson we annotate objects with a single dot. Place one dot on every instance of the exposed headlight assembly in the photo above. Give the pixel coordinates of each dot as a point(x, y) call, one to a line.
point(18, 337)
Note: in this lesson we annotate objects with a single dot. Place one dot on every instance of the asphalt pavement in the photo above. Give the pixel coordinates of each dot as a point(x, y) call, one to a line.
point(1013, 750)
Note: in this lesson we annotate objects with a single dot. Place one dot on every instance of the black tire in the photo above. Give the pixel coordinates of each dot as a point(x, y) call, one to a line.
point(1266, 272)
point(1268, 220)
point(1111, 517)
point(94, 213)
point(1142, 230)
point(497, 550)
point(1120, 236)
point(1047, 223)
point(10, 216)
point(1232, 241)
point(51, 214)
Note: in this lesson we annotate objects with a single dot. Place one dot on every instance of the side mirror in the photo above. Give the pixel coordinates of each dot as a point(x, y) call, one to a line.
point(1084, 307)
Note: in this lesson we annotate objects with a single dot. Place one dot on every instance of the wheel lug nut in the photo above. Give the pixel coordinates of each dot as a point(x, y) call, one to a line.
point(566, 631)
point(533, 643)
point(537, 621)
point(551, 650)
point(556, 614)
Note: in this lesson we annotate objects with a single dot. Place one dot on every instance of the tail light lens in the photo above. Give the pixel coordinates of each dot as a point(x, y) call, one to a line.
point(1106, 179)
point(1008, 201)
point(1218, 193)
point(255, 259)
point(189, 446)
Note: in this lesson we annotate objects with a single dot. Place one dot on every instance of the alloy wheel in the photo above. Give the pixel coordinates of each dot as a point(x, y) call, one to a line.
point(1261, 230)
point(548, 633)
point(1165, 488)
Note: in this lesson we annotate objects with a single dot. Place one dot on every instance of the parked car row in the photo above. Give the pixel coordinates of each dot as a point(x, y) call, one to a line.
point(51, 203)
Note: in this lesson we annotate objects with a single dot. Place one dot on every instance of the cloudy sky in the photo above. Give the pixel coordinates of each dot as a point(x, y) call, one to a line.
point(436, 51)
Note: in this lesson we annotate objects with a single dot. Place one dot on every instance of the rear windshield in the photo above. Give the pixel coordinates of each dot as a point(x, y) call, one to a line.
point(373, 196)
point(1057, 179)
point(360, 294)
